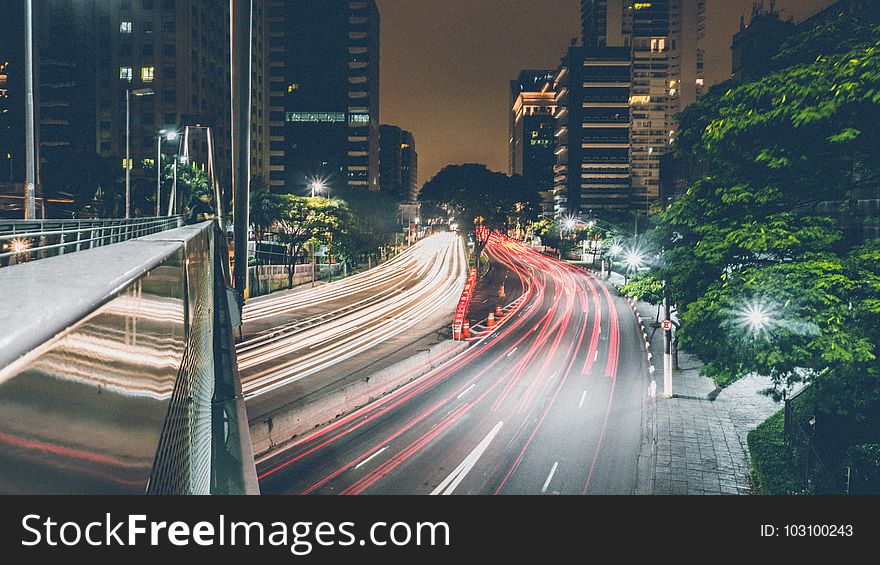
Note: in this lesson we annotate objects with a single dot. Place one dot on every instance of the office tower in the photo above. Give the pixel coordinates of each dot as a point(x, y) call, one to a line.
point(409, 167)
point(663, 39)
point(180, 51)
point(398, 163)
point(324, 94)
point(532, 128)
point(592, 169)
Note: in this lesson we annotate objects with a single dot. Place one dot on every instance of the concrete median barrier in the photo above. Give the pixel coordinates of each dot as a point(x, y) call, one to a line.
point(314, 411)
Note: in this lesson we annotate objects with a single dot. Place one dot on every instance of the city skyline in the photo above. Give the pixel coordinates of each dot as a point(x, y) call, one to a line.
point(519, 35)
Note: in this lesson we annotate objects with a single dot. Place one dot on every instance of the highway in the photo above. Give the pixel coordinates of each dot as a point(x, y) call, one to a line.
point(323, 334)
point(553, 401)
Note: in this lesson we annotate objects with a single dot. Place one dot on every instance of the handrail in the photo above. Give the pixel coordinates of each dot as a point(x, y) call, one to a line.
point(118, 370)
point(27, 240)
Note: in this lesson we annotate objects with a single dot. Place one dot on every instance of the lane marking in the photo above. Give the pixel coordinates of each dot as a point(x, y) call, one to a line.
point(596, 356)
point(550, 476)
point(467, 390)
point(449, 484)
point(583, 397)
point(513, 351)
point(552, 376)
point(367, 460)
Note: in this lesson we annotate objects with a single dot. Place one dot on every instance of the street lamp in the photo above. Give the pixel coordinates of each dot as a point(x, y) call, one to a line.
point(128, 94)
point(169, 136)
point(755, 317)
point(30, 207)
point(633, 261)
point(317, 186)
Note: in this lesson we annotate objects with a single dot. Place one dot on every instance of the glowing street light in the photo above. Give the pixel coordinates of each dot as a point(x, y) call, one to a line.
point(616, 250)
point(634, 260)
point(755, 317)
point(19, 245)
point(317, 186)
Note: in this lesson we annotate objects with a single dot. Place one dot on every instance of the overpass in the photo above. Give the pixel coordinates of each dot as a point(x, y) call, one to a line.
point(118, 370)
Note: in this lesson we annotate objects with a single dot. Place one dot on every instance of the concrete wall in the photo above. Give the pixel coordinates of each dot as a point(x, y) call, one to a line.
point(311, 412)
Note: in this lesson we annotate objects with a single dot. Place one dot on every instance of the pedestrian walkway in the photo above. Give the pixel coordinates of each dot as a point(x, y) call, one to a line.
point(698, 441)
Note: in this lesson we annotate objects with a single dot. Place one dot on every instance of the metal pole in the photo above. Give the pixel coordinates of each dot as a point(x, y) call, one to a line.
point(172, 200)
point(30, 212)
point(241, 38)
point(127, 153)
point(159, 176)
point(667, 354)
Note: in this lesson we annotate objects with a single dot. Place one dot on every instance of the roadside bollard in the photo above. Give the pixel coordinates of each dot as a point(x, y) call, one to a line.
point(491, 321)
point(456, 332)
point(466, 330)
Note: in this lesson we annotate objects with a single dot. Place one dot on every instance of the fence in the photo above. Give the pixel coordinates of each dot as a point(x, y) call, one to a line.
point(118, 372)
point(26, 240)
point(267, 279)
point(803, 436)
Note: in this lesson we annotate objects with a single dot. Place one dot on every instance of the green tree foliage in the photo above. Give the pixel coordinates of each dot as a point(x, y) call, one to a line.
point(309, 222)
point(472, 190)
point(765, 283)
point(645, 287)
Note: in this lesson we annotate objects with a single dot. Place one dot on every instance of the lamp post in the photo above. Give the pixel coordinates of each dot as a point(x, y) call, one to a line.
point(163, 136)
point(30, 209)
point(634, 261)
point(128, 94)
point(317, 186)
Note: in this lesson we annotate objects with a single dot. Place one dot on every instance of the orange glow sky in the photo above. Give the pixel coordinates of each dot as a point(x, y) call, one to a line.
point(446, 65)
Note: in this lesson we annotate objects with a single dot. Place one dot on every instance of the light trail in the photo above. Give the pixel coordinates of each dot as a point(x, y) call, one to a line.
point(408, 290)
point(543, 350)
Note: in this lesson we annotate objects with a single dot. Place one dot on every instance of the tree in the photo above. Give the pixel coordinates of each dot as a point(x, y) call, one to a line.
point(308, 222)
point(764, 281)
point(266, 209)
point(472, 191)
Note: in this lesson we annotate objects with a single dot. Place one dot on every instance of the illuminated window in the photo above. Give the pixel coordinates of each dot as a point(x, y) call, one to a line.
point(147, 74)
point(125, 73)
point(658, 44)
point(360, 118)
point(316, 117)
point(292, 87)
point(642, 5)
point(125, 27)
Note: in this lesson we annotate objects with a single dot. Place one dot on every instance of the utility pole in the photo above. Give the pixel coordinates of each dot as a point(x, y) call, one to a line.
point(30, 126)
point(667, 349)
point(241, 37)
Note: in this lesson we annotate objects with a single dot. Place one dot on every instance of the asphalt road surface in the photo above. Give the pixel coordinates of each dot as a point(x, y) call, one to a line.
point(552, 402)
point(307, 341)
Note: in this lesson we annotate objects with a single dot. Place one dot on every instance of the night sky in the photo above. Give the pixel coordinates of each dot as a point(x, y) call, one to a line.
point(446, 65)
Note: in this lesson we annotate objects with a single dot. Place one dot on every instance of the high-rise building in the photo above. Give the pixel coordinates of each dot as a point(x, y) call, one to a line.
point(398, 163)
point(532, 140)
point(662, 40)
point(324, 94)
point(409, 167)
point(179, 50)
point(260, 94)
point(592, 130)
point(64, 96)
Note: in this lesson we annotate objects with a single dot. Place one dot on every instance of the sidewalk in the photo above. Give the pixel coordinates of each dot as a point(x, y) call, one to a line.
point(699, 444)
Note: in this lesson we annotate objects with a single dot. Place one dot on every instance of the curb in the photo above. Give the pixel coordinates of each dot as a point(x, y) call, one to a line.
point(279, 428)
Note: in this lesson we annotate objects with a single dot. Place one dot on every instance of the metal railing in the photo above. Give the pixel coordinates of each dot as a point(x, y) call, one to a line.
point(26, 240)
point(118, 372)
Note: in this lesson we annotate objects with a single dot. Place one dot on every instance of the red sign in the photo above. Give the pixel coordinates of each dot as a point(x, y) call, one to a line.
point(666, 325)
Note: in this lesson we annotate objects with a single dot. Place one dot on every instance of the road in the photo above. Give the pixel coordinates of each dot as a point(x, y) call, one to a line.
point(553, 401)
point(310, 339)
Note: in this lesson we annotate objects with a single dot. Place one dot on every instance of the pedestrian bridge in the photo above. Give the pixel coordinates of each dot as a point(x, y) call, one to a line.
point(118, 372)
